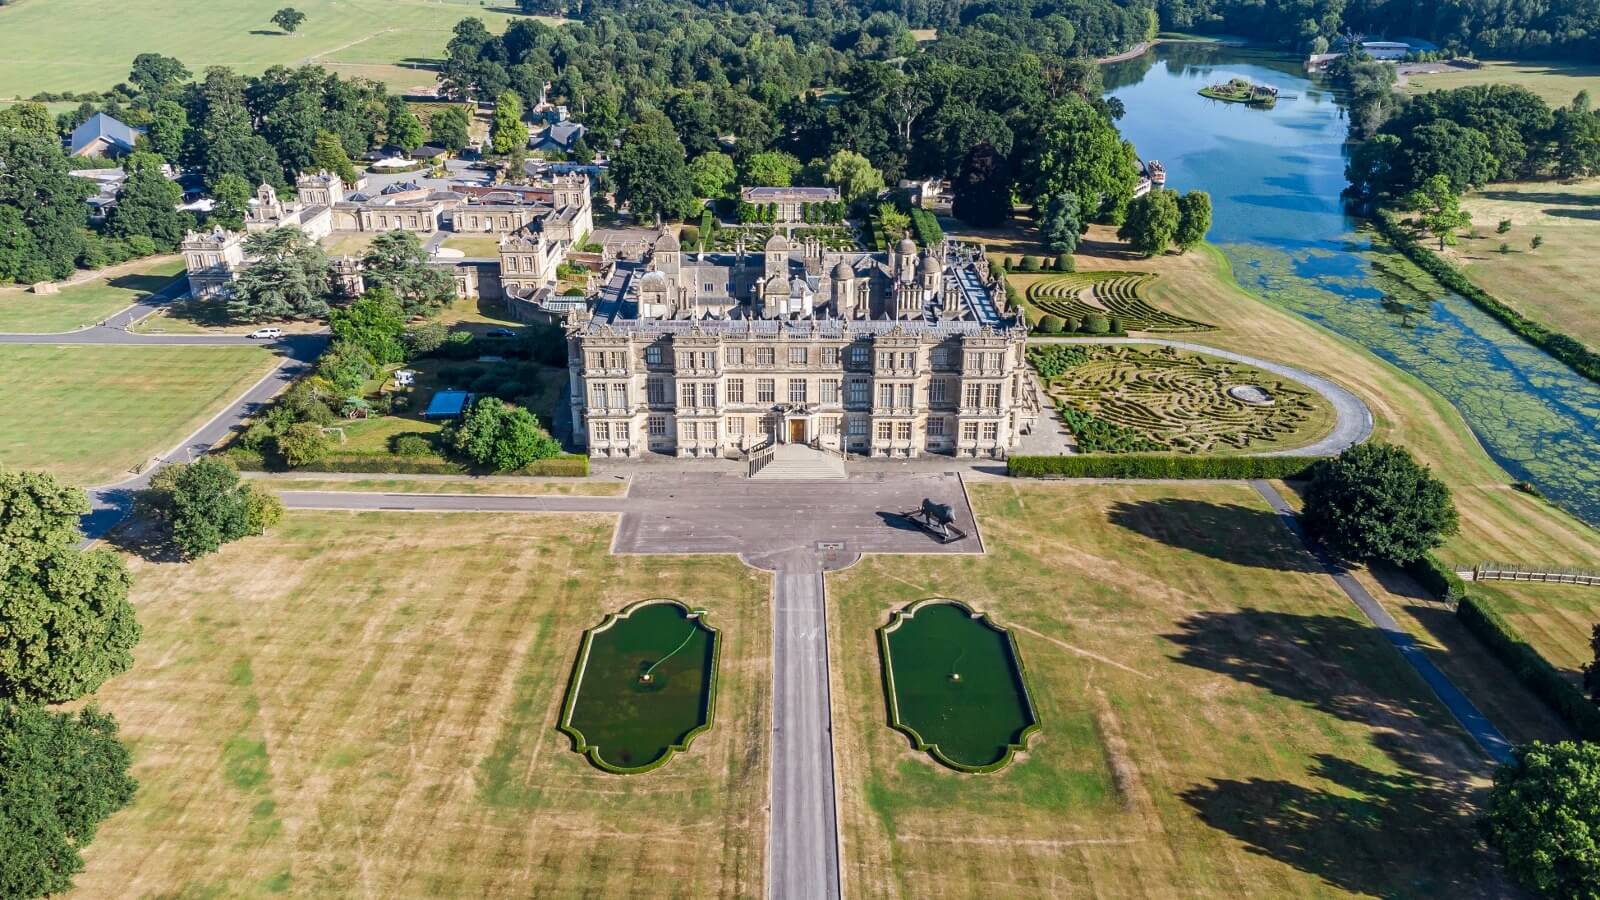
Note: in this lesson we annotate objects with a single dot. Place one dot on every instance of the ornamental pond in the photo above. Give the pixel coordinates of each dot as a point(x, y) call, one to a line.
point(954, 685)
point(1274, 177)
point(643, 687)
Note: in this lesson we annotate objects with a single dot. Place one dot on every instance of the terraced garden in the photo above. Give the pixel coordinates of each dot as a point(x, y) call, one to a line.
point(1122, 399)
point(1078, 296)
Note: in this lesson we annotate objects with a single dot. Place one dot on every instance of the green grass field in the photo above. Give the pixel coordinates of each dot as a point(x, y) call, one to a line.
point(400, 484)
point(381, 722)
point(1555, 284)
point(89, 414)
point(83, 304)
point(60, 45)
point(1217, 720)
point(1556, 82)
point(1556, 619)
point(485, 246)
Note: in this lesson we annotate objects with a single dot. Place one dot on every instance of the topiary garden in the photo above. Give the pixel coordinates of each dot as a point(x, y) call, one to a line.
point(1096, 299)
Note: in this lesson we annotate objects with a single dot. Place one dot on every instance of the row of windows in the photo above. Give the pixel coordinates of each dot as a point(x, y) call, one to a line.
point(885, 431)
point(798, 390)
point(938, 357)
point(609, 431)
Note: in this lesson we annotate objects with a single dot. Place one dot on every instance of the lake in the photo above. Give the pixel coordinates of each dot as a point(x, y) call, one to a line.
point(1274, 176)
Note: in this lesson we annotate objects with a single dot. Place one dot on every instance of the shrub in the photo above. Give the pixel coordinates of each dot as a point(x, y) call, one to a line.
point(425, 338)
point(459, 345)
point(1096, 324)
point(263, 509)
point(301, 444)
point(1116, 325)
point(1052, 325)
point(1030, 264)
point(1065, 263)
point(1010, 263)
point(410, 444)
point(1054, 359)
point(1503, 227)
point(1096, 435)
point(485, 384)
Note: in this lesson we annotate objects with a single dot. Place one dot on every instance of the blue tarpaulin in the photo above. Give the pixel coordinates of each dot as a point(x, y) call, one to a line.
point(447, 404)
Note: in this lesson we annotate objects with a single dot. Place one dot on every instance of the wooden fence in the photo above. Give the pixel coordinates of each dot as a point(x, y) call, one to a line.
point(1508, 572)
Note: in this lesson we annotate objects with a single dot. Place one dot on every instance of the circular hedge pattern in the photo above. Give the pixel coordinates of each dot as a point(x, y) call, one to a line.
point(1080, 295)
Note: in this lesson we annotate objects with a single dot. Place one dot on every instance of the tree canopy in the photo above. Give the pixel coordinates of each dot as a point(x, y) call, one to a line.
point(202, 505)
point(1544, 817)
point(501, 437)
point(1374, 501)
point(289, 19)
point(65, 622)
point(397, 262)
point(1152, 222)
point(650, 172)
point(288, 280)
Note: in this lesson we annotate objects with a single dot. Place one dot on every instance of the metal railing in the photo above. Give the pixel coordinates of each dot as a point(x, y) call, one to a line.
point(757, 458)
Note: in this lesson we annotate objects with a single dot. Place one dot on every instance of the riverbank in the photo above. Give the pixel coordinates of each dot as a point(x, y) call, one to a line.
point(1172, 37)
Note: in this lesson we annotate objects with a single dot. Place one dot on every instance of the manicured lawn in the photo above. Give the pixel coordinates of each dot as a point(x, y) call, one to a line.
point(348, 243)
point(478, 246)
point(1557, 82)
point(56, 45)
point(365, 705)
point(1216, 719)
point(1556, 619)
point(84, 304)
point(89, 414)
point(400, 484)
point(1555, 284)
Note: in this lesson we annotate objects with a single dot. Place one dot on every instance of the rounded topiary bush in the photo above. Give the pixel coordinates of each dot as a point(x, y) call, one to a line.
point(410, 445)
point(1052, 325)
point(1030, 264)
point(1096, 325)
point(1116, 325)
point(1065, 263)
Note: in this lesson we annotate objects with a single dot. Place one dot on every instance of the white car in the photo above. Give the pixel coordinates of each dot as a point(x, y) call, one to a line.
point(266, 334)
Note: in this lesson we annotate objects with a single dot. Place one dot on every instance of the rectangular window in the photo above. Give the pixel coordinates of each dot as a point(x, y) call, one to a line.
point(885, 360)
point(735, 390)
point(766, 390)
point(885, 431)
point(709, 287)
point(908, 359)
point(858, 391)
point(797, 356)
point(621, 431)
point(658, 426)
point(734, 356)
point(902, 431)
point(907, 392)
point(597, 396)
point(708, 360)
point(974, 360)
point(830, 356)
point(991, 396)
point(736, 426)
point(708, 394)
point(939, 357)
point(708, 430)
point(690, 432)
point(886, 395)
point(685, 360)
point(994, 361)
point(936, 389)
point(969, 396)
point(830, 425)
point(858, 355)
point(686, 395)
point(656, 389)
point(764, 356)
point(991, 431)
point(619, 396)
point(830, 390)
point(969, 431)
point(602, 431)
point(935, 428)
point(858, 427)
point(797, 390)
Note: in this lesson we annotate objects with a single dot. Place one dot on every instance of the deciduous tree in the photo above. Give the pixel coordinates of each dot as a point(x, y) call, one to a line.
point(854, 176)
point(1079, 150)
point(289, 19)
point(200, 505)
point(231, 195)
point(712, 175)
point(148, 206)
point(1544, 817)
point(982, 189)
point(502, 437)
point(770, 168)
point(507, 132)
point(1374, 501)
point(376, 323)
point(450, 128)
point(650, 173)
point(1152, 222)
point(1194, 219)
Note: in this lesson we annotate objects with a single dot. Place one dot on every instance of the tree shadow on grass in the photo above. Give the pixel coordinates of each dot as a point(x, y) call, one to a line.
point(1241, 535)
point(144, 284)
point(1370, 833)
point(1553, 197)
point(1590, 214)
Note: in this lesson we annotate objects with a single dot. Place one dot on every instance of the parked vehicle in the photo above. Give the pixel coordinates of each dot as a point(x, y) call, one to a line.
point(266, 334)
point(500, 333)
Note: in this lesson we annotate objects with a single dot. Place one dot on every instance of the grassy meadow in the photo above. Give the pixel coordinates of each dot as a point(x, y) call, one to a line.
point(1556, 82)
point(364, 705)
point(502, 485)
point(1217, 718)
point(1555, 284)
point(87, 302)
point(89, 414)
point(75, 45)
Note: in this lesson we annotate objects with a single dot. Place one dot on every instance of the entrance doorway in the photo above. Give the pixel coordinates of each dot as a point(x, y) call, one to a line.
point(797, 431)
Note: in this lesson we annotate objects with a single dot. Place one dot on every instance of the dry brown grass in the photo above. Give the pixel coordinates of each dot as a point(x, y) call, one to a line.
point(401, 484)
point(364, 705)
point(1217, 720)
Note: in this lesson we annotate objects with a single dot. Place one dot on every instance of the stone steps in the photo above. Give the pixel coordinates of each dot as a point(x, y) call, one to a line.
point(796, 462)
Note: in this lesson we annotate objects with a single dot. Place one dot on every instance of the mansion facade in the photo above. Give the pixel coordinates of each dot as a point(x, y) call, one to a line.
point(884, 355)
point(539, 227)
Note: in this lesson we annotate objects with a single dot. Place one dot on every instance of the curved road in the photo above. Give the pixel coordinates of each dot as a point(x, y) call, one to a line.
point(1352, 418)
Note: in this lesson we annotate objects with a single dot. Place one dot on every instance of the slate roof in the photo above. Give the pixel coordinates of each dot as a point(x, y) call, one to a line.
point(102, 126)
point(561, 134)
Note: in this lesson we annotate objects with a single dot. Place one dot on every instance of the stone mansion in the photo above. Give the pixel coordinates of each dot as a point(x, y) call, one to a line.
point(885, 355)
point(539, 227)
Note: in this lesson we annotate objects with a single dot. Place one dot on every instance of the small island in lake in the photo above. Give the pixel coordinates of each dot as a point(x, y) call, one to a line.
point(1241, 90)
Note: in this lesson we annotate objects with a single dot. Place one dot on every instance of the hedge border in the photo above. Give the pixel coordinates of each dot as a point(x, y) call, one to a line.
point(572, 465)
point(592, 753)
point(1535, 672)
point(1161, 466)
point(885, 657)
point(1561, 346)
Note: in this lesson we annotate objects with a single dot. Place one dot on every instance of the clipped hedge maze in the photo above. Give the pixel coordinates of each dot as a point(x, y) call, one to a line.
point(1166, 400)
point(1078, 295)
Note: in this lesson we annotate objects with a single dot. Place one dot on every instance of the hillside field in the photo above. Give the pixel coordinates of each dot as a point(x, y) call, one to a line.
point(74, 45)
